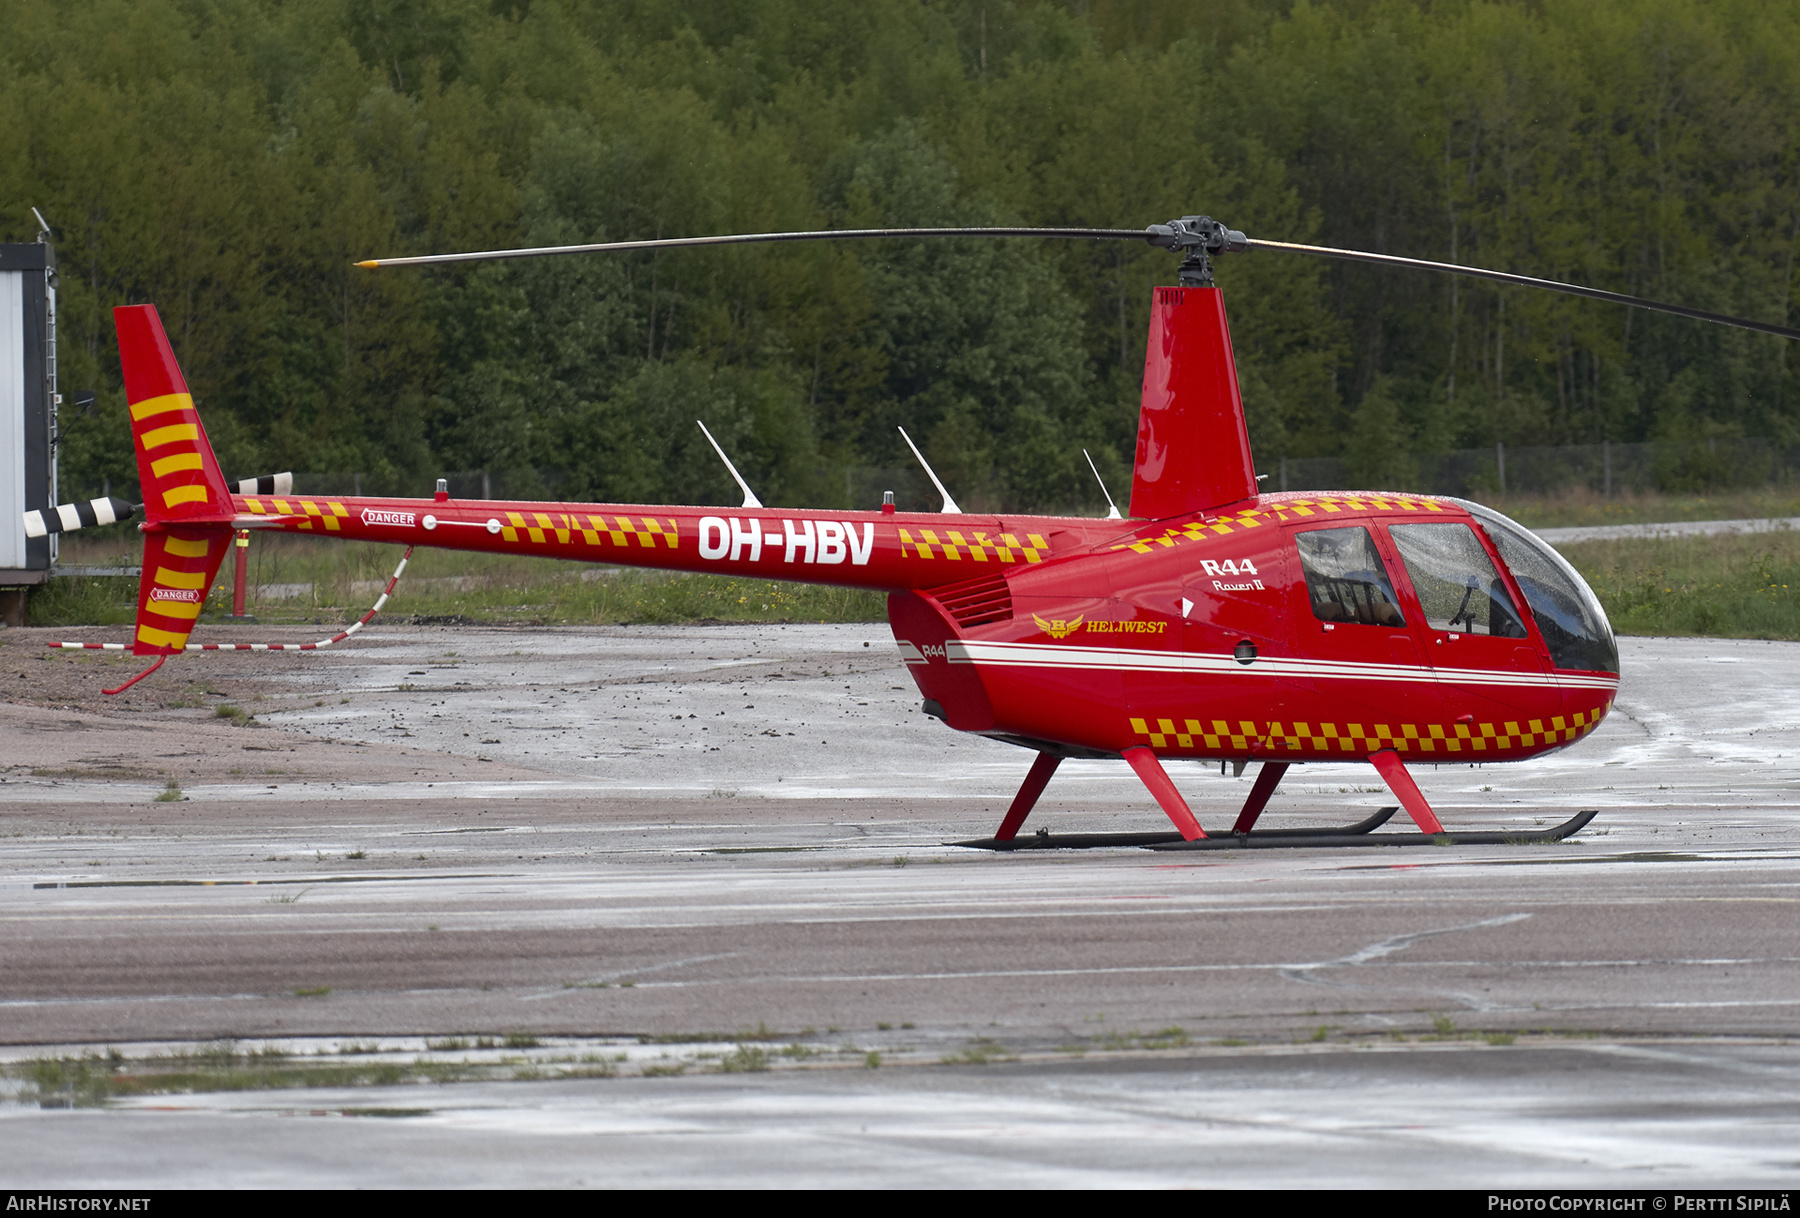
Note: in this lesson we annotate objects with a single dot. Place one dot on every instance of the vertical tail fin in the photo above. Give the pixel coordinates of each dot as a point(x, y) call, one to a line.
point(176, 466)
point(187, 504)
point(1193, 451)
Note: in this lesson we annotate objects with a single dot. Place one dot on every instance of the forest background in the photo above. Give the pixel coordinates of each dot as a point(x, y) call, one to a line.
point(229, 160)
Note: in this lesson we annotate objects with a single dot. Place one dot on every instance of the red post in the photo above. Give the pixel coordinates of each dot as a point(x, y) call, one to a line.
point(243, 568)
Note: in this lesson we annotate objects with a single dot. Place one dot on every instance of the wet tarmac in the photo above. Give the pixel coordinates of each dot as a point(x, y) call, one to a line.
point(738, 833)
point(1674, 528)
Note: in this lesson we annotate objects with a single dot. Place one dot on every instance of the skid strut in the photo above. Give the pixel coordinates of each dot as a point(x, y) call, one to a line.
point(1150, 770)
point(1033, 786)
point(1244, 835)
point(1267, 779)
point(1393, 772)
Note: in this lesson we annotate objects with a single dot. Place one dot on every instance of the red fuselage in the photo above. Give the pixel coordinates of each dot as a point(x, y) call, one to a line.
point(1211, 635)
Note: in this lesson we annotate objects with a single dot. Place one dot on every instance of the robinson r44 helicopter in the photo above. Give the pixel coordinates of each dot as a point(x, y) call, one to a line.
point(1213, 623)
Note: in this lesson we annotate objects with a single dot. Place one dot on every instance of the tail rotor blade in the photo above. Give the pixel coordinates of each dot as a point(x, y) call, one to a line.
point(67, 517)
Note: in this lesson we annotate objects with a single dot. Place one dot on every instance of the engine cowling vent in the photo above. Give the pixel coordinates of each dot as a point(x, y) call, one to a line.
point(986, 598)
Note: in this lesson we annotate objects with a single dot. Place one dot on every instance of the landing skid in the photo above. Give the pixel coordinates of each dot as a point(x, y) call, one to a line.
point(1358, 834)
point(1043, 839)
point(1305, 837)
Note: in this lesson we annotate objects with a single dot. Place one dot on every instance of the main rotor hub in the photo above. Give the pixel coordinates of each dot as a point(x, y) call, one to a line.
point(1199, 237)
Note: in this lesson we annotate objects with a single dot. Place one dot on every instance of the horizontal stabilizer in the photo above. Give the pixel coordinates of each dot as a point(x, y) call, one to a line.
point(71, 516)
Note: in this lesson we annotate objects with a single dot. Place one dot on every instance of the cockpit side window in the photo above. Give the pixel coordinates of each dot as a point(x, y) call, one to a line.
point(1345, 578)
point(1567, 611)
point(1457, 585)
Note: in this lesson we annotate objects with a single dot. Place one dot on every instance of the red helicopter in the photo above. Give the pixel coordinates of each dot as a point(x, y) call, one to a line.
point(1216, 623)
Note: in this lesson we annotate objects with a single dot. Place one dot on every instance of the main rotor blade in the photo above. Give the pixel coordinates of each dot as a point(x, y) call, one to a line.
point(835, 234)
point(1208, 236)
point(1552, 285)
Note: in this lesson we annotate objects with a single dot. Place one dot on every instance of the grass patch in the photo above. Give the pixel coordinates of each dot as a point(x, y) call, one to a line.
point(80, 600)
point(171, 793)
point(979, 1052)
point(1728, 586)
point(336, 581)
point(92, 1079)
point(108, 772)
point(1167, 1038)
point(745, 1059)
point(1582, 507)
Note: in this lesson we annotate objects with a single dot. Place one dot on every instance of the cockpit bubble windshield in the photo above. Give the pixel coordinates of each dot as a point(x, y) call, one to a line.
point(1567, 611)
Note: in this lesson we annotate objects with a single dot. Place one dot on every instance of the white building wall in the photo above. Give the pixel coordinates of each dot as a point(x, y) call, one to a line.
point(12, 420)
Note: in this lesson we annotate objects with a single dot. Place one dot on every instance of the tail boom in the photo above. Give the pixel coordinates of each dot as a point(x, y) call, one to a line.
point(887, 551)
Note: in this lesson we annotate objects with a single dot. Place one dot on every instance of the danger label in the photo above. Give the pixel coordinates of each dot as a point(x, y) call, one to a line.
point(187, 595)
point(376, 516)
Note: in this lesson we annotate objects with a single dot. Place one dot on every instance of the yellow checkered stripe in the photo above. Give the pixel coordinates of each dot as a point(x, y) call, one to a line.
point(1291, 509)
point(954, 546)
point(1358, 739)
point(563, 528)
point(307, 511)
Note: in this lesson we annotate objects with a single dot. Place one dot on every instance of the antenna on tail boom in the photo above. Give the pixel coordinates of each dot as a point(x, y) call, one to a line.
point(1112, 512)
point(750, 499)
point(949, 503)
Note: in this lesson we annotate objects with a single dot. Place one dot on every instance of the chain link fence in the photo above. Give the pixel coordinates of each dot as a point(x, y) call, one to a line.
point(1605, 469)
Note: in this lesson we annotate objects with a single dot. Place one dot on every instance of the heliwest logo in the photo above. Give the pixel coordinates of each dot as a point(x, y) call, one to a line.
point(1058, 628)
point(375, 516)
point(187, 595)
point(1132, 627)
